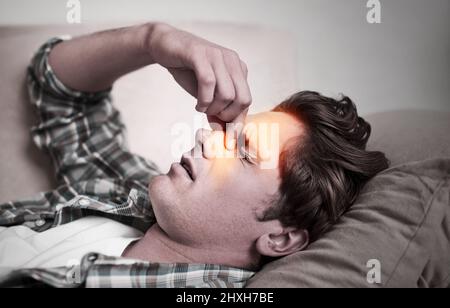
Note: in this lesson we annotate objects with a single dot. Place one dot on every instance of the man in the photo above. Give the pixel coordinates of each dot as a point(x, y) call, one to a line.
point(213, 220)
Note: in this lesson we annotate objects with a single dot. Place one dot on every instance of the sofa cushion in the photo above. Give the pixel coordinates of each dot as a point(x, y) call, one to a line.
point(411, 135)
point(401, 220)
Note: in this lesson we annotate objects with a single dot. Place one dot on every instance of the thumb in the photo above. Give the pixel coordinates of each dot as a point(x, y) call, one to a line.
point(234, 129)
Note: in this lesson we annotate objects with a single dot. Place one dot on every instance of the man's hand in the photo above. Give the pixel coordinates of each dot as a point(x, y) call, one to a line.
point(214, 75)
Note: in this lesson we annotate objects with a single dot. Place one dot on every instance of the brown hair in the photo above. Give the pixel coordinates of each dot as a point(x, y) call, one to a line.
point(323, 172)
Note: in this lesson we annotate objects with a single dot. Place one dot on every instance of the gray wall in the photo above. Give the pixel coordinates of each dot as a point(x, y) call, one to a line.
point(404, 62)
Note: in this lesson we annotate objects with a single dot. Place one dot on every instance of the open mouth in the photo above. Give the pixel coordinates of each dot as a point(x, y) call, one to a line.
point(187, 165)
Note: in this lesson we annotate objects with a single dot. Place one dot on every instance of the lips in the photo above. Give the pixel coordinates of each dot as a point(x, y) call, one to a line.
point(188, 165)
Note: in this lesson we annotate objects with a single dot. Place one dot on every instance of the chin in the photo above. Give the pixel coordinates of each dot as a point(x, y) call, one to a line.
point(157, 187)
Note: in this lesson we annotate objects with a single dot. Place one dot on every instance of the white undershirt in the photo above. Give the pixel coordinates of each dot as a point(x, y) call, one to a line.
point(21, 247)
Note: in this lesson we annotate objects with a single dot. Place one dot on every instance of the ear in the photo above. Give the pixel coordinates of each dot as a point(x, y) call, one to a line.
point(282, 243)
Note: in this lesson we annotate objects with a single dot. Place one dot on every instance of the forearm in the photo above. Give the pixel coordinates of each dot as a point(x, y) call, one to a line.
point(214, 75)
point(94, 62)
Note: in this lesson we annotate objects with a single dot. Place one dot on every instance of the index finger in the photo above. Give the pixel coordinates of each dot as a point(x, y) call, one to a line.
point(234, 130)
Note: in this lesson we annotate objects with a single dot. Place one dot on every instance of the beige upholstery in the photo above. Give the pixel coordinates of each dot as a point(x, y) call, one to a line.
point(401, 220)
point(150, 101)
point(411, 135)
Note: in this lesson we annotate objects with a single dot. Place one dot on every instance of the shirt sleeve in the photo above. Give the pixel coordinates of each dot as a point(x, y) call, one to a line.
point(82, 132)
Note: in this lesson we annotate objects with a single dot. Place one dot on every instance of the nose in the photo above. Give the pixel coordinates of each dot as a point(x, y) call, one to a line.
point(202, 135)
point(209, 144)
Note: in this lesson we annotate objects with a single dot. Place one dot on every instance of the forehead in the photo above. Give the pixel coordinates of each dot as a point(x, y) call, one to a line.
point(289, 126)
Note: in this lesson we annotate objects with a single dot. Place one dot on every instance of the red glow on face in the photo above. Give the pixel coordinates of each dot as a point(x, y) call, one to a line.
point(258, 146)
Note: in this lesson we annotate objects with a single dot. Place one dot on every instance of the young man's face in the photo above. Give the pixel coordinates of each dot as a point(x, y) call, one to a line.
point(220, 206)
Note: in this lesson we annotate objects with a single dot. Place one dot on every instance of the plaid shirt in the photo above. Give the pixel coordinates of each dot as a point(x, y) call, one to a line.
point(97, 175)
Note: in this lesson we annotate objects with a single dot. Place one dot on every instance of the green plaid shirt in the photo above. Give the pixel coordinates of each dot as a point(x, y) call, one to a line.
point(97, 175)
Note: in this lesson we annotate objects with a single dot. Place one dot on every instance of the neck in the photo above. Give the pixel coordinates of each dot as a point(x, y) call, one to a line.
point(157, 247)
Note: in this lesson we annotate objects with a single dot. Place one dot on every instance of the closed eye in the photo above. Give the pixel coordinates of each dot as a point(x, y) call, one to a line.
point(246, 157)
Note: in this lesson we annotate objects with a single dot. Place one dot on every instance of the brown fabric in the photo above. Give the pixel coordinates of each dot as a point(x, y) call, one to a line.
point(402, 219)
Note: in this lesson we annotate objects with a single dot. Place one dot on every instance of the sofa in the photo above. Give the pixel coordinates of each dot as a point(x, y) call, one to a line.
point(401, 220)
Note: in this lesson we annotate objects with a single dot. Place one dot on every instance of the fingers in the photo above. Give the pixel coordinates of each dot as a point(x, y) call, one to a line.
point(223, 90)
point(220, 81)
point(234, 112)
point(244, 69)
point(240, 119)
point(242, 98)
point(215, 123)
point(233, 130)
point(206, 83)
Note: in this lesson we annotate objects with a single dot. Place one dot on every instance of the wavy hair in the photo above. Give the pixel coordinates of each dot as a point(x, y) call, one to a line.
point(323, 171)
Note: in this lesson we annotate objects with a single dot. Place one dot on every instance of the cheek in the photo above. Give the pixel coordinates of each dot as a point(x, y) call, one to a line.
point(239, 192)
point(165, 199)
point(159, 194)
point(189, 214)
point(214, 208)
point(253, 184)
point(224, 216)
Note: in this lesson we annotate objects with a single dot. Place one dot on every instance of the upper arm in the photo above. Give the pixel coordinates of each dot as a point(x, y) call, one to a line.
point(82, 132)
